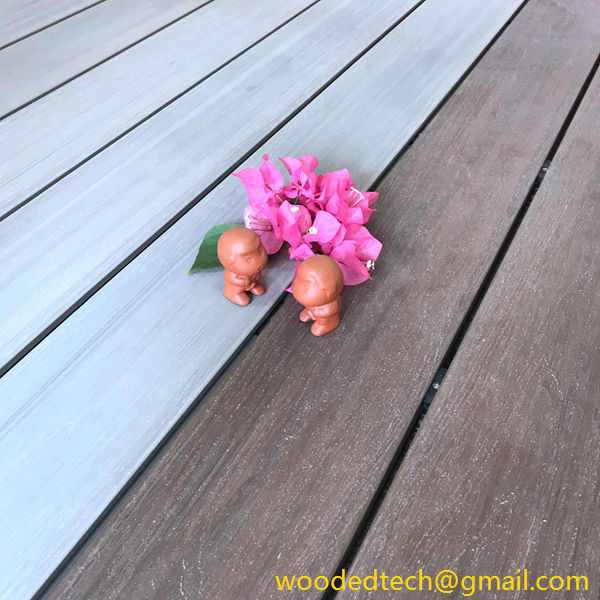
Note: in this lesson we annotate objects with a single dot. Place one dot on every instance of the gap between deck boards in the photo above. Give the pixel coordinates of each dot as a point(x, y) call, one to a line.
point(104, 60)
point(51, 24)
point(226, 173)
point(150, 115)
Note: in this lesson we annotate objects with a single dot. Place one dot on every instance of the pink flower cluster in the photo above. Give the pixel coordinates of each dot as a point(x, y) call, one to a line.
point(315, 214)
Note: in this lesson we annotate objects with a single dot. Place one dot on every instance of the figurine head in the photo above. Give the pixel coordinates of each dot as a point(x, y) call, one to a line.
point(319, 280)
point(240, 250)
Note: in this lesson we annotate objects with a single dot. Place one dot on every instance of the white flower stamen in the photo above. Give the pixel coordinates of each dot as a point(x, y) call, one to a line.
point(295, 208)
point(312, 230)
point(356, 197)
point(370, 264)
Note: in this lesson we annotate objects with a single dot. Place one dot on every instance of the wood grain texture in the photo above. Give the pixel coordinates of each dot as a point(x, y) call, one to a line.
point(503, 474)
point(210, 128)
point(46, 60)
point(19, 18)
point(152, 339)
point(273, 471)
point(168, 161)
point(57, 132)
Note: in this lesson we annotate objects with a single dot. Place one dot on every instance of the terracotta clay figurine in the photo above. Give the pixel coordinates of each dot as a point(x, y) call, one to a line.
point(318, 285)
point(243, 255)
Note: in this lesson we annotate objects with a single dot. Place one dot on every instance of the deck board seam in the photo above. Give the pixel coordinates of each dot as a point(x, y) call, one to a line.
point(106, 59)
point(48, 25)
point(207, 190)
point(150, 115)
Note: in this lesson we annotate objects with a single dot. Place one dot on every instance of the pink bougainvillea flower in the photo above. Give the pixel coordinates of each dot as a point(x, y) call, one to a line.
point(263, 185)
point(357, 200)
point(276, 224)
point(335, 182)
point(253, 182)
point(342, 211)
point(313, 213)
point(303, 179)
point(294, 221)
point(323, 229)
point(367, 246)
point(271, 175)
point(353, 269)
point(301, 251)
point(356, 253)
point(263, 219)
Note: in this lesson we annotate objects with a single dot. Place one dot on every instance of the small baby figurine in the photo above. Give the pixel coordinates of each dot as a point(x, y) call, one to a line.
point(318, 285)
point(243, 255)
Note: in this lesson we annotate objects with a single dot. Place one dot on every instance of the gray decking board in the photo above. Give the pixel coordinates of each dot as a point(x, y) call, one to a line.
point(152, 338)
point(47, 59)
point(19, 18)
point(66, 247)
point(503, 474)
point(57, 132)
point(273, 471)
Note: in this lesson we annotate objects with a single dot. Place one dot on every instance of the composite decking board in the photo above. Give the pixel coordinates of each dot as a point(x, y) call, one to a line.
point(211, 127)
point(274, 469)
point(57, 132)
point(503, 474)
point(214, 124)
point(20, 18)
point(153, 338)
point(51, 57)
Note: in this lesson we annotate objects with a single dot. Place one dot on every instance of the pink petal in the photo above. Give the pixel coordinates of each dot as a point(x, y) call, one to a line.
point(338, 208)
point(335, 182)
point(357, 216)
point(371, 197)
point(369, 249)
point(367, 246)
point(325, 227)
point(293, 165)
point(360, 201)
point(314, 206)
point(290, 191)
point(294, 221)
point(252, 180)
point(254, 219)
point(270, 241)
point(336, 240)
point(309, 163)
point(301, 251)
point(271, 175)
point(354, 275)
point(354, 270)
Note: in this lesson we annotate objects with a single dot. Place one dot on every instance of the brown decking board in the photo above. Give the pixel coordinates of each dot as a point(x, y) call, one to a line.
point(273, 472)
point(504, 473)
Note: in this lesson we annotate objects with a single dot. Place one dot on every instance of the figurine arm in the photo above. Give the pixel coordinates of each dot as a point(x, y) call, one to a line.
point(327, 310)
point(235, 279)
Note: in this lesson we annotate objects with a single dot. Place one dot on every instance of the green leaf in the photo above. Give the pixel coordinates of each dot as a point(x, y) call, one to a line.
point(207, 253)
